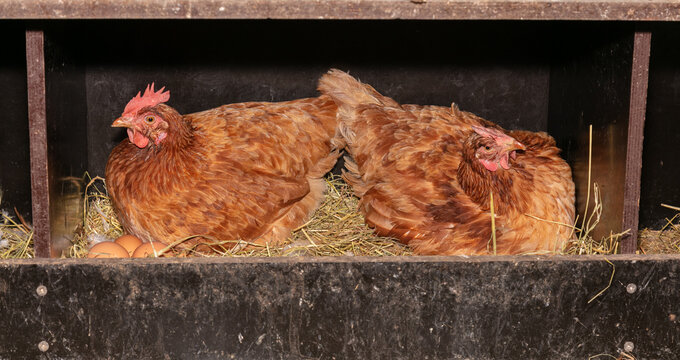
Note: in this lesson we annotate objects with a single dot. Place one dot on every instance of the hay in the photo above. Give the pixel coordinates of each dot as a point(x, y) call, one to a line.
point(99, 220)
point(335, 229)
point(664, 241)
point(583, 242)
point(16, 236)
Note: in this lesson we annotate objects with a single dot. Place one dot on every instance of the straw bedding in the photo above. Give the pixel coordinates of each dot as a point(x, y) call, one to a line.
point(335, 229)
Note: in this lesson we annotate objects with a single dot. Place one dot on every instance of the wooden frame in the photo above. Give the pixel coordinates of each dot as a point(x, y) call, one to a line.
point(37, 120)
point(638, 108)
point(632, 10)
point(404, 307)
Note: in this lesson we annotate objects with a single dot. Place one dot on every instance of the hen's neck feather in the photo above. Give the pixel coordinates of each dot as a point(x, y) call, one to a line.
point(507, 185)
point(180, 132)
point(177, 158)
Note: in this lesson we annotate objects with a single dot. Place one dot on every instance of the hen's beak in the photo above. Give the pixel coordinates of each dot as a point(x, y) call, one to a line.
point(122, 122)
point(514, 145)
point(511, 149)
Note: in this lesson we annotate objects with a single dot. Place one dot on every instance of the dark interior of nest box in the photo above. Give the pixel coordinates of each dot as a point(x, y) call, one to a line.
point(15, 172)
point(660, 181)
point(557, 77)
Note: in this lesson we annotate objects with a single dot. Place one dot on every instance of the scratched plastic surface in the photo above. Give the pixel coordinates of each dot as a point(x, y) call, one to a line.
point(348, 308)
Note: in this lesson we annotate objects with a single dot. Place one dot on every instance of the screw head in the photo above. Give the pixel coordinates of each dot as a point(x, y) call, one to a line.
point(41, 290)
point(628, 346)
point(631, 288)
point(43, 346)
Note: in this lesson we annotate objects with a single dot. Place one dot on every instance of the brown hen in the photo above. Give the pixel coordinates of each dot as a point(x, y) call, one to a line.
point(250, 171)
point(425, 173)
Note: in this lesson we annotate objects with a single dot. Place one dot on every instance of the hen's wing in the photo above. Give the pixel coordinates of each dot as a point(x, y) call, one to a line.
point(284, 148)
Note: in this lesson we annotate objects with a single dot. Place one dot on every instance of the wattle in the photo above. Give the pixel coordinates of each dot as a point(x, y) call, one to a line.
point(137, 138)
point(489, 165)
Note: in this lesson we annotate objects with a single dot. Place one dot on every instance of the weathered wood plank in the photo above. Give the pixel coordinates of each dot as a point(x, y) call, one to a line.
point(639, 10)
point(636, 124)
point(37, 122)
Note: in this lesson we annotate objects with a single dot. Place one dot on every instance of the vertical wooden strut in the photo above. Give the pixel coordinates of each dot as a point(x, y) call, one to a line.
point(636, 123)
point(37, 124)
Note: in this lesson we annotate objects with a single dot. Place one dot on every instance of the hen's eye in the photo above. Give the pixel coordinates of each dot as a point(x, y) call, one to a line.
point(149, 119)
point(487, 147)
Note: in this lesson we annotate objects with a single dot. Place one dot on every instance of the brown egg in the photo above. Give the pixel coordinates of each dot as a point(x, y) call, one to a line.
point(150, 249)
point(108, 249)
point(129, 242)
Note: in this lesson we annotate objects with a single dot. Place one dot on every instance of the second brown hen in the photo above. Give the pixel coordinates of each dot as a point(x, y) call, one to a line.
point(425, 173)
point(250, 171)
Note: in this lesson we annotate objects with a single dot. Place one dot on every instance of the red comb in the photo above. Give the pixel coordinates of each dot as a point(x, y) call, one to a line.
point(150, 98)
point(492, 133)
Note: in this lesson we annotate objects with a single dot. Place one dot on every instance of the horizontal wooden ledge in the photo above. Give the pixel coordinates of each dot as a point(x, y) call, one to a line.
point(635, 10)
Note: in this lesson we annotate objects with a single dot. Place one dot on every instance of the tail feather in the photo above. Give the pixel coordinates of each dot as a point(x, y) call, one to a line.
point(352, 176)
point(347, 91)
point(348, 94)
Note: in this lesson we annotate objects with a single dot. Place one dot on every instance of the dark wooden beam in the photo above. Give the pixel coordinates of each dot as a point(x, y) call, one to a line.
point(631, 10)
point(37, 122)
point(636, 124)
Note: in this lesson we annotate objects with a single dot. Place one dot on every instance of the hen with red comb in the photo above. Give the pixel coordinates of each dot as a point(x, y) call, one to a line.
point(425, 175)
point(247, 171)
